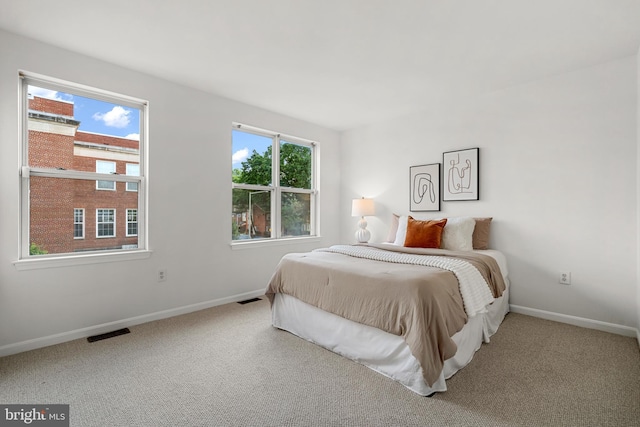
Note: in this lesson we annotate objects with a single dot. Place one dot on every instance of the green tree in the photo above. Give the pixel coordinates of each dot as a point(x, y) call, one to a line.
point(295, 166)
point(35, 249)
point(256, 169)
point(295, 172)
point(293, 214)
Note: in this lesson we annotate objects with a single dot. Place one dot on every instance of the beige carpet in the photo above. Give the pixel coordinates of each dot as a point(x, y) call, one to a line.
point(227, 366)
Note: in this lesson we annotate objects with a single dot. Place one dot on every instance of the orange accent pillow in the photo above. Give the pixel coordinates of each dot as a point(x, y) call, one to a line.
point(424, 234)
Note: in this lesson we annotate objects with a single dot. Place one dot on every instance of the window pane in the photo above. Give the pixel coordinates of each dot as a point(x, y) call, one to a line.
point(251, 160)
point(295, 165)
point(71, 132)
point(296, 214)
point(106, 167)
point(132, 222)
point(78, 223)
point(133, 170)
point(105, 223)
point(251, 216)
point(55, 218)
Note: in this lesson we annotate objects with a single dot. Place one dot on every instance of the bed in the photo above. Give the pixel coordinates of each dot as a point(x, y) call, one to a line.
point(414, 314)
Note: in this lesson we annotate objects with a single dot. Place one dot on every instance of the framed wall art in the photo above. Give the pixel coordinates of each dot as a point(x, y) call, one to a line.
point(424, 188)
point(461, 175)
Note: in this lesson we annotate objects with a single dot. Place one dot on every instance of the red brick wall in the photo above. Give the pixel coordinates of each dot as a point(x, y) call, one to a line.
point(51, 224)
point(51, 106)
point(50, 150)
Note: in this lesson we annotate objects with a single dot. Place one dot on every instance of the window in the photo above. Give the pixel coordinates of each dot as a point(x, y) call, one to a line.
point(83, 151)
point(105, 222)
point(106, 168)
point(132, 222)
point(273, 185)
point(78, 223)
point(133, 169)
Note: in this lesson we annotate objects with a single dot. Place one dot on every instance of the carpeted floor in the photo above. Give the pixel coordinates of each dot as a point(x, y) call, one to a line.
point(227, 366)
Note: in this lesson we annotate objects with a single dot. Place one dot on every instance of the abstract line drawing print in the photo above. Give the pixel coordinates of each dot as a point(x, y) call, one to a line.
point(459, 176)
point(424, 188)
point(423, 184)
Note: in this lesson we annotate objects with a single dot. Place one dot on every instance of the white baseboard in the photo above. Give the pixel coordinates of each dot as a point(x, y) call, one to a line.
point(35, 343)
point(578, 321)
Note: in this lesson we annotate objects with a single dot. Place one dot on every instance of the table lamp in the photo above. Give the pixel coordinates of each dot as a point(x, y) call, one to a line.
point(362, 207)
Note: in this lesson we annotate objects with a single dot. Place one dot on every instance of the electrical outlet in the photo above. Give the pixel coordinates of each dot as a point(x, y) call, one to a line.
point(162, 275)
point(565, 278)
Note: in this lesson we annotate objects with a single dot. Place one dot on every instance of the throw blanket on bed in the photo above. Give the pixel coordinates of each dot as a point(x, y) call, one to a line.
point(421, 303)
point(475, 298)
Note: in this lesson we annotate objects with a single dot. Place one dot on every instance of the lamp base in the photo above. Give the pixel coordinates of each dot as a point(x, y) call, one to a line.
point(363, 235)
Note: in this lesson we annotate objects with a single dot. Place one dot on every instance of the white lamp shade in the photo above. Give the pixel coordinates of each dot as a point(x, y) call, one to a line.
point(362, 207)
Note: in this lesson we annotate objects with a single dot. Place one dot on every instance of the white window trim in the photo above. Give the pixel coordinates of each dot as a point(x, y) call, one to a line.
point(110, 173)
point(126, 187)
point(98, 236)
point(85, 258)
point(83, 223)
point(27, 262)
point(276, 191)
point(258, 243)
point(130, 222)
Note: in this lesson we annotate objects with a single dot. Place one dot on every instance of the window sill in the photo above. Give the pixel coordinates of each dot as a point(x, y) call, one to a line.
point(72, 260)
point(252, 244)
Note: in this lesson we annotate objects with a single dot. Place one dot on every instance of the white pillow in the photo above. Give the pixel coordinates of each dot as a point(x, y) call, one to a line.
point(401, 234)
point(458, 234)
point(393, 230)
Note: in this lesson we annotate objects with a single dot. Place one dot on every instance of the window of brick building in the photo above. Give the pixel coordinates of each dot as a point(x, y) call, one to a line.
point(132, 222)
point(273, 185)
point(78, 142)
point(106, 222)
point(133, 169)
point(78, 223)
point(108, 168)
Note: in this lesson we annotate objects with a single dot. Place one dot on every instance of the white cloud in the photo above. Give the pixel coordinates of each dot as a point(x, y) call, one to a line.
point(134, 136)
point(240, 155)
point(118, 117)
point(49, 94)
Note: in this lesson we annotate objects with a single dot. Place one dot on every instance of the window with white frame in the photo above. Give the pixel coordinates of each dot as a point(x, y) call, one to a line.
point(105, 222)
point(77, 142)
point(105, 167)
point(132, 222)
point(78, 223)
point(133, 169)
point(273, 185)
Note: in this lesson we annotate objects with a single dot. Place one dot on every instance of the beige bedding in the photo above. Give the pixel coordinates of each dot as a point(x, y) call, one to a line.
point(421, 304)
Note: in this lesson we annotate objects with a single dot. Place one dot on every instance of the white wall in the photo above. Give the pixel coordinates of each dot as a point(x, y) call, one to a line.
point(189, 216)
point(638, 190)
point(557, 172)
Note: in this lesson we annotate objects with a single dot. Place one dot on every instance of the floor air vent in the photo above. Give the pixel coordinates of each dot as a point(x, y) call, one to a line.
point(249, 300)
point(108, 335)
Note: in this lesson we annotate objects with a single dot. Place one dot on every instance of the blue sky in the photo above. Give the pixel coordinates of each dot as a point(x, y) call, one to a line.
point(243, 145)
point(98, 116)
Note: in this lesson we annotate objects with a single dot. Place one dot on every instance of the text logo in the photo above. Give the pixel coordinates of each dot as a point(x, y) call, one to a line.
point(34, 415)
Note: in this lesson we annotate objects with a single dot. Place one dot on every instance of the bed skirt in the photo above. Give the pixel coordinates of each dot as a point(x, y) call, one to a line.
point(381, 351)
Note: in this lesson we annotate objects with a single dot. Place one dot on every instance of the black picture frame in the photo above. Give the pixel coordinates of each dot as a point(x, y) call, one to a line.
point(461, 175)
point(424, 188)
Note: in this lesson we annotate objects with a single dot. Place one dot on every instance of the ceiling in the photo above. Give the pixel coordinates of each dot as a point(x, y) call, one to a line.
point(338, 63)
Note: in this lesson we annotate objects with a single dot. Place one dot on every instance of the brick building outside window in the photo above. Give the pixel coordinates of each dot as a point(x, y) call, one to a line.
point(75, 215)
